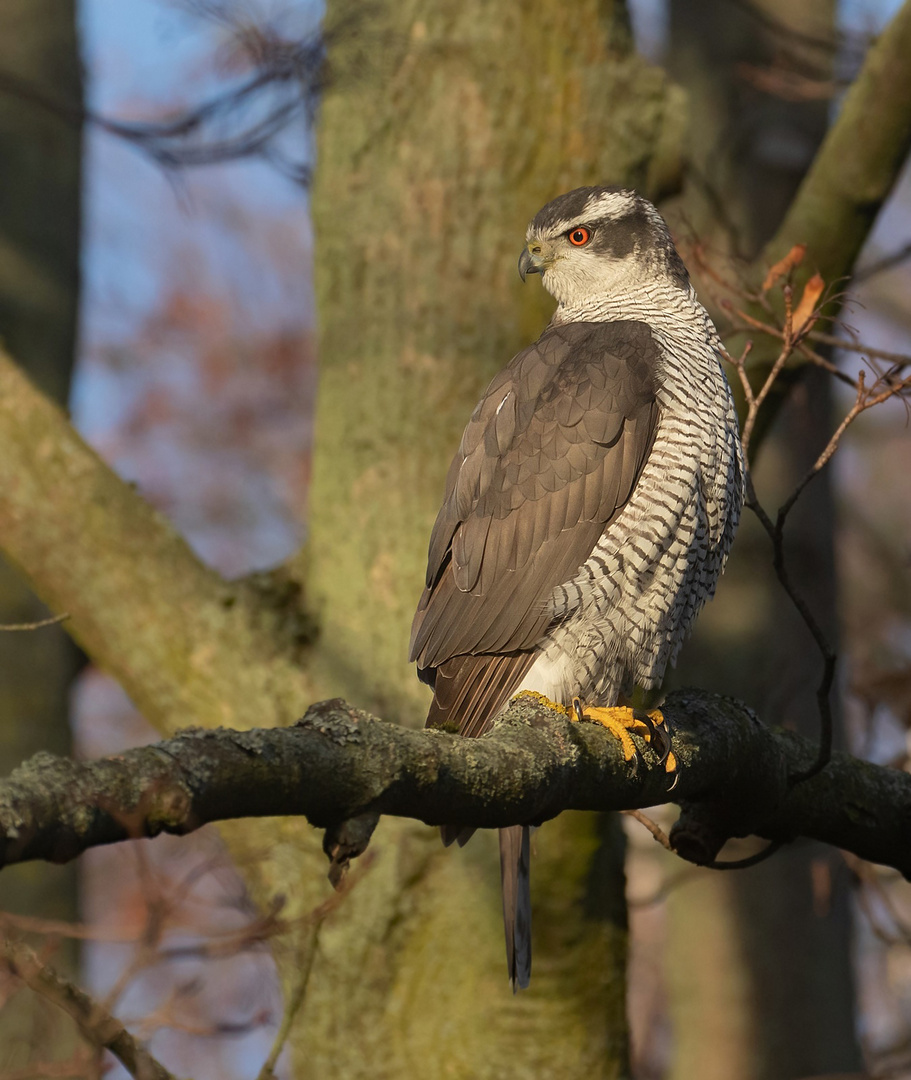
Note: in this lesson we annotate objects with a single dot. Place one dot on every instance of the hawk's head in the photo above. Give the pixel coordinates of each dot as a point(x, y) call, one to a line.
point(595, 241)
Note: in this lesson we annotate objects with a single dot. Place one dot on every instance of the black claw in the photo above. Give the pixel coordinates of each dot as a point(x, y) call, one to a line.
point(659, 737)
point(578, 709)
point(675, 777)
point(665, 750)
point(643, 717)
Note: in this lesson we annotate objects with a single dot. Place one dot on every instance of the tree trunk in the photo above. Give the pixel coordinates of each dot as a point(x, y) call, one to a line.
point(39, 291)
point(445, 128)
point(771, 1018)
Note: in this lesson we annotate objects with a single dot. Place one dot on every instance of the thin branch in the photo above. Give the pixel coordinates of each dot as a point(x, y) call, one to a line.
point(864, 400)
point(97, 1025)
point(7, 628)
point(775, 532)
point(887, 262)
point(900, 359)
point(284, 87)
point(833, 340)
point(716, 864)
point(295, 1001)
point(749, 860)
point(887, 385)
point(653, 827)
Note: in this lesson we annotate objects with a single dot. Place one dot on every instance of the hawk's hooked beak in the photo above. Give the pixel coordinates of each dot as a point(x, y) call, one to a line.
point(533, 260)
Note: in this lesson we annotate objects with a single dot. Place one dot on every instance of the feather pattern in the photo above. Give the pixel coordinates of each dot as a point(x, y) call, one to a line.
point(592, 502)
point(521, 515)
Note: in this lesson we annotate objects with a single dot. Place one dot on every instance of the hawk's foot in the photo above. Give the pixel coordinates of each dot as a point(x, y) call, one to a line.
point(621, 721)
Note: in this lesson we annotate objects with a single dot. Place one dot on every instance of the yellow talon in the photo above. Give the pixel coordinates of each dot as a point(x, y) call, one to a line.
point(620, 721)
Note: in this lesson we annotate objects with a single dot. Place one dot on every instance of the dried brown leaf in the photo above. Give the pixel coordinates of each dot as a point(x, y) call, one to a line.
point(784, 266)
point(803, 316)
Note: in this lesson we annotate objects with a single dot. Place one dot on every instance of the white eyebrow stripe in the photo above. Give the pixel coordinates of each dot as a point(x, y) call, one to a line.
point(614, 204)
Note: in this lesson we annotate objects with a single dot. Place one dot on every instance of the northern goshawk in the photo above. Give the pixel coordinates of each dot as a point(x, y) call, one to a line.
point(592, 502)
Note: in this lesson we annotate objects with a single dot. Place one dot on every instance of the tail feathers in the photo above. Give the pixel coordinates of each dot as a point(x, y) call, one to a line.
point(515, 862)
point(472, 690)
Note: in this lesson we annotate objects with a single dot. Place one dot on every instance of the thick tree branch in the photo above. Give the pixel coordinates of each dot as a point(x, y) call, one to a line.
point(342, 768)
point(851, 177)
point(139, 601)
point(858, 163)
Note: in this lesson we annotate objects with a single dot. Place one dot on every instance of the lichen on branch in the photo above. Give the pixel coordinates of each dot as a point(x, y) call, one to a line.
point(342, 768)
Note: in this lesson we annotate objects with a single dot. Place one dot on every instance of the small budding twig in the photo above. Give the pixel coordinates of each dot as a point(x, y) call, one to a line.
point(847, 345)
point(885, 387)
point(10, 628)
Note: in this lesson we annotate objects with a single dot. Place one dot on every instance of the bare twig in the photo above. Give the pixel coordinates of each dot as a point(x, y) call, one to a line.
point(284, 87)
point(900, 359)
point(52, 621)
point(98, 1026)
point(295, 1002)
point(715, 864)
point(750, 860)
point(887, 385)
point(653, 827)
point(865, 399)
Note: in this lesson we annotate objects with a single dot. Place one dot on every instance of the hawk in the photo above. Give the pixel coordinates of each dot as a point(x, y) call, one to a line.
point(592, 502)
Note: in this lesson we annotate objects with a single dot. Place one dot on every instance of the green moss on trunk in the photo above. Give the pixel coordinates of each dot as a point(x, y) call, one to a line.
point(446, 127)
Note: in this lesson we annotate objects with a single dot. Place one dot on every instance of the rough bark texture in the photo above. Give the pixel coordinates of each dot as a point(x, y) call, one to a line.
point(342, 768)
point(446, 127)
point(40, 158)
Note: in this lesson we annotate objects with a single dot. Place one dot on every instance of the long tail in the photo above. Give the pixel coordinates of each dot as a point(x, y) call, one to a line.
point(515, 864)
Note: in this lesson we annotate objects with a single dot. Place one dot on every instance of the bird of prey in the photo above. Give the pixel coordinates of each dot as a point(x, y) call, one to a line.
point(591, 504)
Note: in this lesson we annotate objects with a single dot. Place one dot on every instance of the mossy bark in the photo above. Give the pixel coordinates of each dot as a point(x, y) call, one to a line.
point(445, 128)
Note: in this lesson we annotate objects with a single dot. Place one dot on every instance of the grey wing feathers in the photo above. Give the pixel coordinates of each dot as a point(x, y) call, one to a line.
point(551, 453)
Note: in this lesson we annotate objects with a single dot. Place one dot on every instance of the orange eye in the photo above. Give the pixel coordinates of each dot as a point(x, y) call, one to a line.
point(580, 236)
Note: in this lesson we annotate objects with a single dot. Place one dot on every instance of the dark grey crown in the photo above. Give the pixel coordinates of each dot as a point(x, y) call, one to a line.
point(624, 225)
